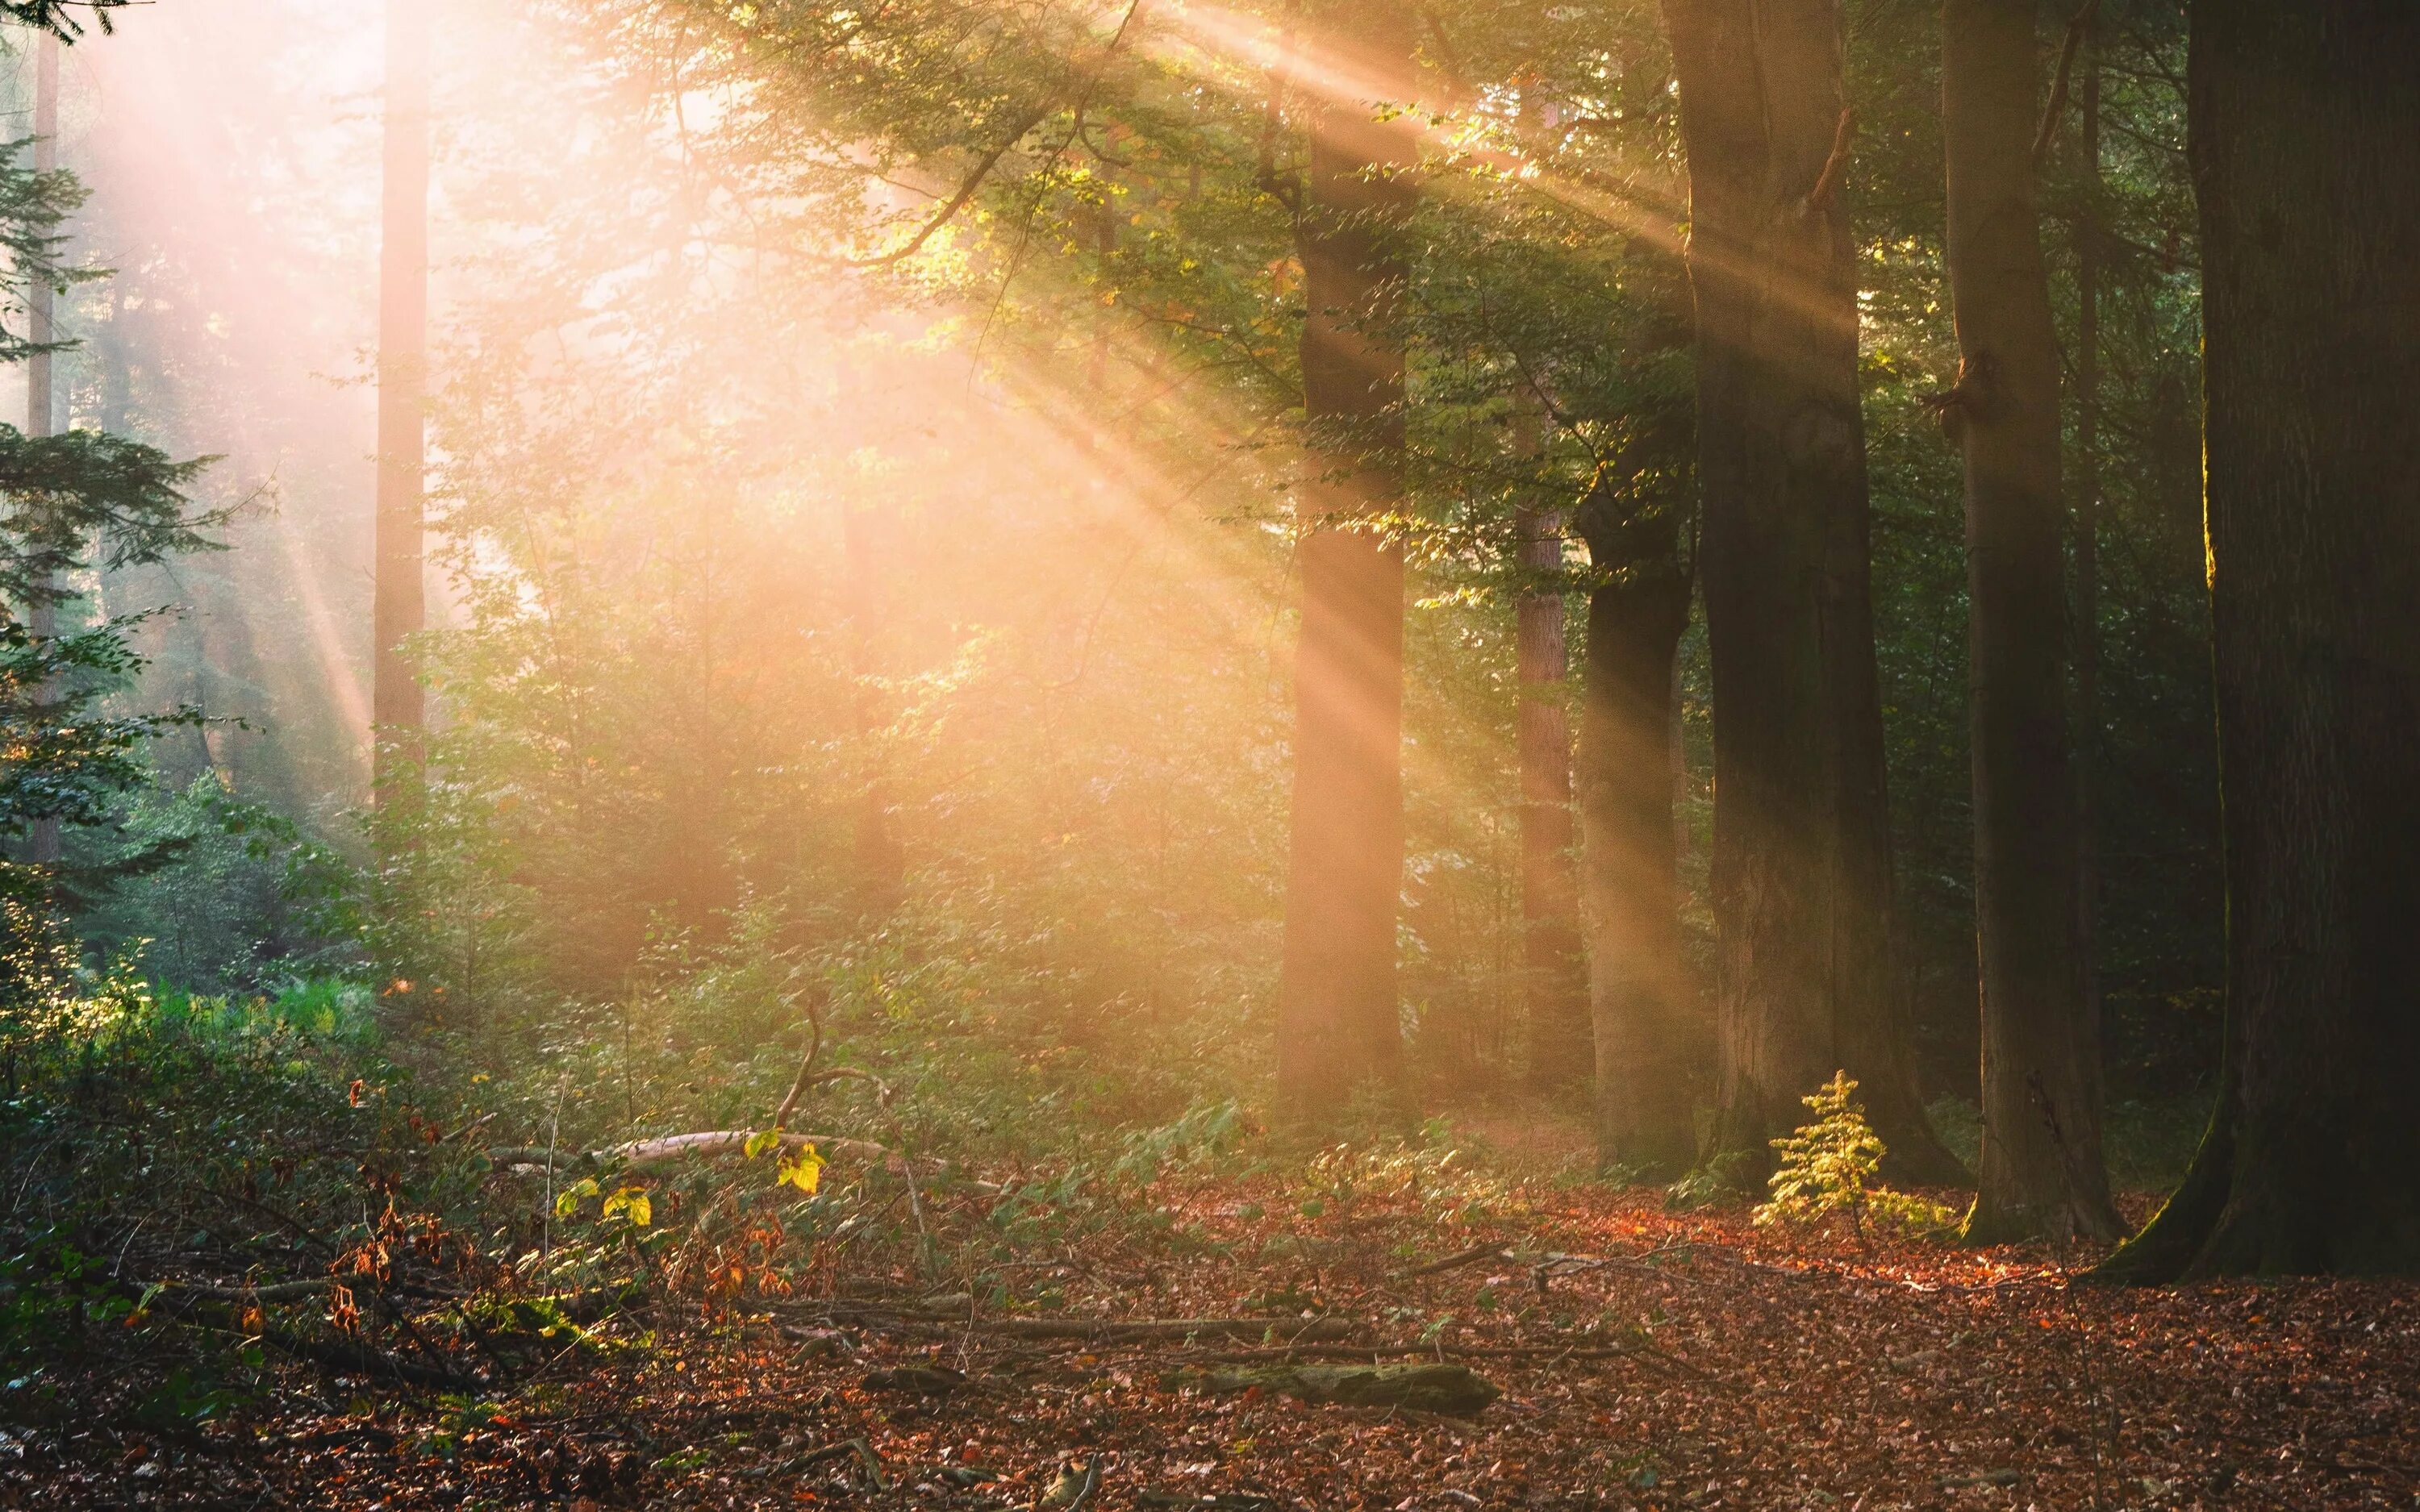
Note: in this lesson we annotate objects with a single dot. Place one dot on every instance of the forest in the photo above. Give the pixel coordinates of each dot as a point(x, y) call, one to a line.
point(1209, 755)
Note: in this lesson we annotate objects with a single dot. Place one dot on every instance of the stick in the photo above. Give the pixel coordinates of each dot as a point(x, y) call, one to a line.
point(1457, 1260)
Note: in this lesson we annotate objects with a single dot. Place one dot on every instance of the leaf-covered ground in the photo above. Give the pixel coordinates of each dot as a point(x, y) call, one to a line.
point(1647, 1359)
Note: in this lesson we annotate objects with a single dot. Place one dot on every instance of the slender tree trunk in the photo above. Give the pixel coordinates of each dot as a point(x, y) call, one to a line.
point(43, 615)
point(1801, 863)
point(1644, 1012)
point(2041, 1171)
point(1337, 1012)
point(879, 861)
point(1555, 987)
point(2305, 150)
point(397, 606)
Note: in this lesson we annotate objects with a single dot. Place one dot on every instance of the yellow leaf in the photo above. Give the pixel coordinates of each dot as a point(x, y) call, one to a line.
point(803, 1171)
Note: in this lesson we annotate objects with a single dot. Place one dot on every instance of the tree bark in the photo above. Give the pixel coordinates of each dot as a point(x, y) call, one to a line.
point(2087, 523)
point(1337, 1012)
point(2042, 1173)
point(1801, 861)
point(1644, 1012)
point(397, 606)
point(1554, 988)
point(2303, 121)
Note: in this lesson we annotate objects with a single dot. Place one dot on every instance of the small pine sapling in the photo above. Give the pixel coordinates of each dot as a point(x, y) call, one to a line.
point(1828, 1167)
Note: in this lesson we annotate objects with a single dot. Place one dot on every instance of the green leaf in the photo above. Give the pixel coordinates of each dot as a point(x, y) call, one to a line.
point(760, 1142)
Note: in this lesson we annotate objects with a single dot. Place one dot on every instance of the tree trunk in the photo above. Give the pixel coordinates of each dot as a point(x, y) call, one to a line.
point(2086, 522)
point(396, 600)
point(43, 614)
point(1555, 989)
point(1645, 1015)
point(1337, 1012)
point(2041, 1172)
point(1801, 863)
point(2303, 121)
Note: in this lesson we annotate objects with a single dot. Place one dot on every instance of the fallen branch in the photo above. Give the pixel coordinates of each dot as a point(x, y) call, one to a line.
point(272, 1291)
point(1457, 1260)
point(641, 1153)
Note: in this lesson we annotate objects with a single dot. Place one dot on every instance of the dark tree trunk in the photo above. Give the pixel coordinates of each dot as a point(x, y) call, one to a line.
point(2087, 522)
point(398, 604)
point(1801, 863)
point(2041, 1172)
point(2304, 121)
point(1337, 1012)
point(1645, 1016)
point(1554, 990)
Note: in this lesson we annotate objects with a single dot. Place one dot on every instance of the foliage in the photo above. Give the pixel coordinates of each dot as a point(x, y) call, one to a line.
point(1828, 1165)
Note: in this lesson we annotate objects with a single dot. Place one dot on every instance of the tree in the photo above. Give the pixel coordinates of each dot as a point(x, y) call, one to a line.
point(397, 606)
point(1642, 1003)
point(1554, 977)
point(1337, 1026)
point(1802, 884)
point(42, 389)
point(85, 500)
point(2040, 1167)
point(2303, 120)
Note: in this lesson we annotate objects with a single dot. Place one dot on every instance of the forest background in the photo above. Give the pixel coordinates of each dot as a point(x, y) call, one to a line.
point(734, 547)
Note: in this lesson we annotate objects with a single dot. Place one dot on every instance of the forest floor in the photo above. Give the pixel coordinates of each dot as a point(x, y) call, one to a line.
point(1645, 1358)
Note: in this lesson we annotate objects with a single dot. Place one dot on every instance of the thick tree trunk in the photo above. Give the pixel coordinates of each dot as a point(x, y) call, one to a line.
point(1337, 1012)
point(2304, 120)
point(2086, 525)
point(397, 608)
point(1801, 867)
point(1645, 1014)
point(2041, 1172)
point(1554, 991)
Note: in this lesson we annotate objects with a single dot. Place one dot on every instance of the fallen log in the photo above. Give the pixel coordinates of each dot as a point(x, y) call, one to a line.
point(1449, 1390)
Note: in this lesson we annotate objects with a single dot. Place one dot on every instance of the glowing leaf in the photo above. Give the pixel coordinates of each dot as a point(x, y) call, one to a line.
point(803, 1171)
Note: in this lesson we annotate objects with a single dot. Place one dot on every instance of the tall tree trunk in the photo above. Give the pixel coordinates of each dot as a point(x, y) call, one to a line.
point(1644, 1012)
point(43, 614)
point(1801, 863)
point(2304, 125)
point(2086, 522)
point(397, 606)
point(1337, 1012)
point(1555, 987)
point(2040, 1171)
point(877, 858)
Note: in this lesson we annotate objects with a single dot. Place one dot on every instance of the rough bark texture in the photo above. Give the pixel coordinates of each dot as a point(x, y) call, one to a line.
point(2304, 120)
point(1554, 991)
point(397, 608)
point(1801, 863)
point(2040, 1169)
point(1337, 1022)
point(1645, 1014)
